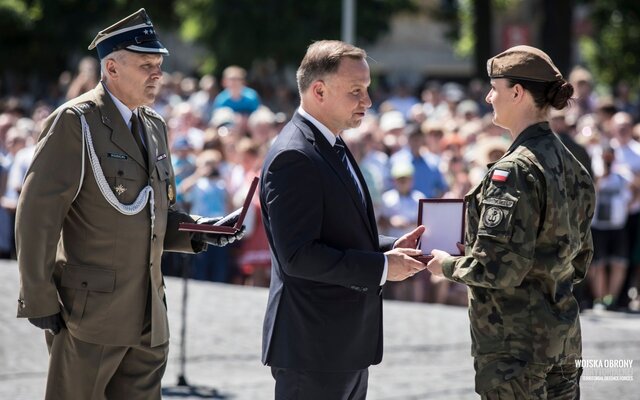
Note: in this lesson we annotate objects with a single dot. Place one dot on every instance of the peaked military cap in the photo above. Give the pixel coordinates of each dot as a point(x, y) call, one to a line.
point(134, 33)
point(523, 62)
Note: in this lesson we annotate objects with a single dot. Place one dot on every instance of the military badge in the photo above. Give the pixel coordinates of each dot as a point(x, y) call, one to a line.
point(492, 217)
point(120, 189)
point(170, 193)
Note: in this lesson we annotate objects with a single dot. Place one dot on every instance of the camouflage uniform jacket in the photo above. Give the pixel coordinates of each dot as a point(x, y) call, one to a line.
point(527, 242)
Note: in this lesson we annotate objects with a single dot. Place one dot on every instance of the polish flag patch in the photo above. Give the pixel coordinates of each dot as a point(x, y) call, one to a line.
point(499, 175)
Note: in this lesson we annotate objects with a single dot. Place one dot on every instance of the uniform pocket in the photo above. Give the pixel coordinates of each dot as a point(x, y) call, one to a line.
point(164, 169)
point(166, 192)
point(82, 280)
point(117, 168)
point(123, 177)
point(95, 279)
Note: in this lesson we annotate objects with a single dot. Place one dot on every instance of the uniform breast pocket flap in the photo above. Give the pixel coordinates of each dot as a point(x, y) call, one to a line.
point(164, 170)
point(93, 279)
point(118, 168)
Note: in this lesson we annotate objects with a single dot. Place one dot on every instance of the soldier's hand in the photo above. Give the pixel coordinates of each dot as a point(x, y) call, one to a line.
point(435, 265)
point(52, 323)
point(216, 239)
point(208, 221)
point(221, 239)
point(401, 264)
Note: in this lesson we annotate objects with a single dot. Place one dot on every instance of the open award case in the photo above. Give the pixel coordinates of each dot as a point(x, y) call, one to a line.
point(231, 223)
point(444, 220)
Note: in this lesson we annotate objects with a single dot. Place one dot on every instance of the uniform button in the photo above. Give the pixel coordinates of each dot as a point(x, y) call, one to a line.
point(84, 284)
point(120, 173)
point(364, 289)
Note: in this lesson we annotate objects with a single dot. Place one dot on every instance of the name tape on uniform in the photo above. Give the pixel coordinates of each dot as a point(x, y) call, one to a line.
point(118, 156)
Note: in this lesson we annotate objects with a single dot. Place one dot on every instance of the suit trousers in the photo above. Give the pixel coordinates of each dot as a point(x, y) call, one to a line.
point(296, 384)
point(79, 370)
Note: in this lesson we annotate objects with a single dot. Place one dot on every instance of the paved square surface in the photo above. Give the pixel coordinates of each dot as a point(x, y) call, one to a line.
point(426, 352)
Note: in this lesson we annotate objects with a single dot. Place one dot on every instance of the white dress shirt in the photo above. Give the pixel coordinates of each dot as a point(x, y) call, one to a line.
point(125, 112)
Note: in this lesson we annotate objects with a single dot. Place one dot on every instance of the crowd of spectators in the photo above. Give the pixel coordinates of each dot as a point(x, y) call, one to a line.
point(429, 141)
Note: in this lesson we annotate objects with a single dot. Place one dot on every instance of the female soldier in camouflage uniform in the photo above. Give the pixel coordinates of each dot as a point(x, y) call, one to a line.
point(527, 241)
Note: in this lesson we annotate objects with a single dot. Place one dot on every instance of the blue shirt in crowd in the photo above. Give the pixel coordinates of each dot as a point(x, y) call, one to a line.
point(248, 102)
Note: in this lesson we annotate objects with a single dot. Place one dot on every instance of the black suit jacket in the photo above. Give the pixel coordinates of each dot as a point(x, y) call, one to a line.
point(325, 306)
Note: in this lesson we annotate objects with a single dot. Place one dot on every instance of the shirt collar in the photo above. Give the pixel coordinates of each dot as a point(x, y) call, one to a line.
point(124, 110)
point(331, 138)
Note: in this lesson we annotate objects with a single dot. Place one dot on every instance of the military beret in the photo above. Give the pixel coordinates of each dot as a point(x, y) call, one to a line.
point(523, 62)
point(134, 33)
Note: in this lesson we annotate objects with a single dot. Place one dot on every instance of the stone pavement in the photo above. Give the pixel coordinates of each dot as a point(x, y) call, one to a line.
point(426, 348)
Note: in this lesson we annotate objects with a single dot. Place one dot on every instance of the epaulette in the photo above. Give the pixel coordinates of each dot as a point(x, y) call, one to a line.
point(151, 112)
point(84, 107)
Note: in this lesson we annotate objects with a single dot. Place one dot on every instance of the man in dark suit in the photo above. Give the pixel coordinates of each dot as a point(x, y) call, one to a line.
point(323, 325)
point(94, 216)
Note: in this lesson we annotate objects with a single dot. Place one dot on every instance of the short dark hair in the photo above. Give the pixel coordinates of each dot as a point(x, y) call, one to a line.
point(323, 58)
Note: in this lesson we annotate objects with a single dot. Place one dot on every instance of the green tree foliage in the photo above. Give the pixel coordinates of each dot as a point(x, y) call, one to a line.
point(242, 31)
point(460, 16)
point(613, 50)
point(38, 36)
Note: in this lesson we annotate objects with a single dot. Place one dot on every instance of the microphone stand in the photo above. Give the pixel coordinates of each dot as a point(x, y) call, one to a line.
point(183, 388)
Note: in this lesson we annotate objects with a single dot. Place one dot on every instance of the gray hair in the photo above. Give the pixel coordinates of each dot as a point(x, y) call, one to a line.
point(118, 56)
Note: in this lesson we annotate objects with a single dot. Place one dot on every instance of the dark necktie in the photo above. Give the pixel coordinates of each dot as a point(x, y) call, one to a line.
point(136, 130)
point(339, 147)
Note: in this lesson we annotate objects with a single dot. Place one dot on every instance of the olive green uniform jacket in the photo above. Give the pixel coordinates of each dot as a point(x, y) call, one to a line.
point(527, 242)
point(79, 255)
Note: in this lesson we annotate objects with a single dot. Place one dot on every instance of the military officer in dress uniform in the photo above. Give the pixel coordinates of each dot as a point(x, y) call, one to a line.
point(527, 241)
point(93, 220)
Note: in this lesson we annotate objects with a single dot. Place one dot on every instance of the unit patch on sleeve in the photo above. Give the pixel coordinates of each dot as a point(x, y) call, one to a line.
point(492, 217)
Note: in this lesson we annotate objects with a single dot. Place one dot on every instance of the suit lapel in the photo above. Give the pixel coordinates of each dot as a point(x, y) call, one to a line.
point(365, 189)
point(121, 135)
point(327, 152)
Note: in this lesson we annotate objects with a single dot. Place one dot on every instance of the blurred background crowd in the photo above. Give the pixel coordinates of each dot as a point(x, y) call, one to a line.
point(431, 140)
